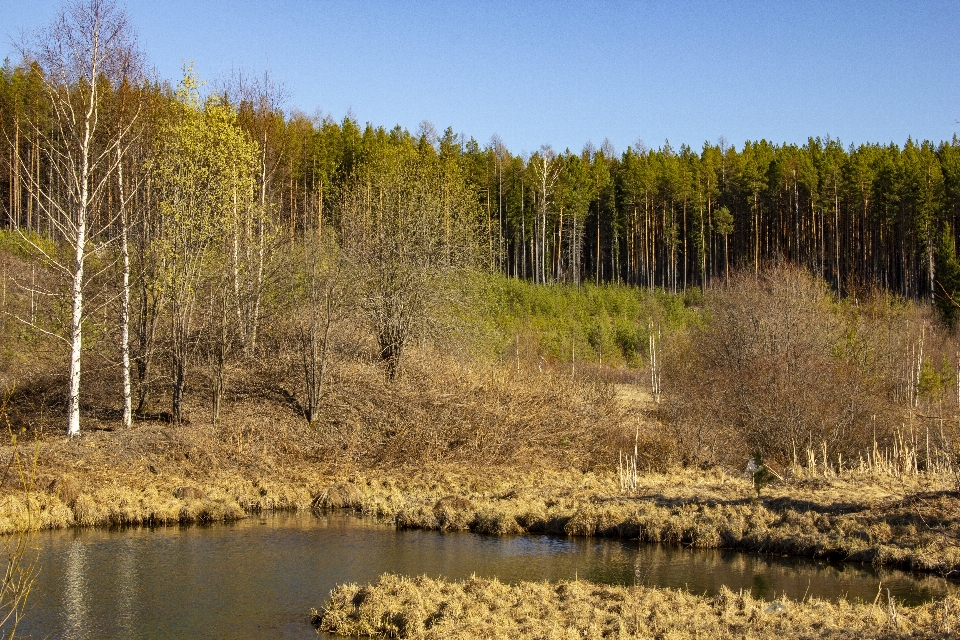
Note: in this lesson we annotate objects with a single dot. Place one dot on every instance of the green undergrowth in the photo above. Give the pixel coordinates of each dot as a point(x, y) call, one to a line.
point(608, 324)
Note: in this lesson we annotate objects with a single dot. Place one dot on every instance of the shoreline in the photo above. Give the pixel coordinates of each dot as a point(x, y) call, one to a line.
point(906, 524)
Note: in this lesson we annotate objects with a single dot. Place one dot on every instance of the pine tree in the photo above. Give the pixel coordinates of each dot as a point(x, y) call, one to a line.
point(947, 278)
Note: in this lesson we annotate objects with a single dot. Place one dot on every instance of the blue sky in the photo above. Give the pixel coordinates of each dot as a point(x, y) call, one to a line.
point(564, 73)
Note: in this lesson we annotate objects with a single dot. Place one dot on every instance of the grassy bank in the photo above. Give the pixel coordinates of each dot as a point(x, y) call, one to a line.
point(262, 455)
point(153, 476)
point(908, 523)
point(427, 608)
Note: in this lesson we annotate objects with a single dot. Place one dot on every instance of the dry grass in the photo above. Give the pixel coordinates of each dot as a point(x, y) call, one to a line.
point(899, 525)
point(425, 608)
point(450, 448)
point(263, 456)
point(907, 526)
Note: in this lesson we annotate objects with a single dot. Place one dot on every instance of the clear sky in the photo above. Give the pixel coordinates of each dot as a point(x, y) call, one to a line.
point(565, 73)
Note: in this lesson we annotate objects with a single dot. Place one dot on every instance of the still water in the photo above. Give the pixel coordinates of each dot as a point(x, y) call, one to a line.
point(258, 578)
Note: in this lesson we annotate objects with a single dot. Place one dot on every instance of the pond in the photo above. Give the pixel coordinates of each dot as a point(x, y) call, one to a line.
point(259, 577)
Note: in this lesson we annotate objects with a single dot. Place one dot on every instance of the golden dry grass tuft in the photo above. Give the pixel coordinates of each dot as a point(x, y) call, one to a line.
point(422, 607)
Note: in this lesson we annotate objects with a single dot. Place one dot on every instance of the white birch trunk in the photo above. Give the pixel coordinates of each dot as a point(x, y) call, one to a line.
point(257, 291)
point(80, 240)
point(237, 299)
point(76, 336)
point(86, 43)
point(125, 306)
point(258, 281)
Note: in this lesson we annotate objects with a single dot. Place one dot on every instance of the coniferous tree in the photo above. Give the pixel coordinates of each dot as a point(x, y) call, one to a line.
point(947, 299)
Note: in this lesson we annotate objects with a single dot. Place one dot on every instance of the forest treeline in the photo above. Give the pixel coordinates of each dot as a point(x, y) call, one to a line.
point(870, 215)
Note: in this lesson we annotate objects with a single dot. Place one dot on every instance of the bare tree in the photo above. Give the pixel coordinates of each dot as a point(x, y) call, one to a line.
point(775, 367)
point(546, 169)
point(258, 99)
point(89, 46)
point(128, 107)
point(404, 233)
point(322, 302)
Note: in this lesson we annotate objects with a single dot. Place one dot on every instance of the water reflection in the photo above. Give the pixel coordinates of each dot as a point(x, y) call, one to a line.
point(74, 591)
point(126, 579)
point(259, 578)
point(769, 577)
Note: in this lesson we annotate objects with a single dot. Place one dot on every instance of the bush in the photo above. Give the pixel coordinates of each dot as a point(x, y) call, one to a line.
point(778, 365)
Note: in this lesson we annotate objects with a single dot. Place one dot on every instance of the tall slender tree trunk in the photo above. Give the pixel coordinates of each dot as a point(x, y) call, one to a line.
point(235, 257)
point(500, 215)
point(703, 252)
point(523, 229)
point(796, 223)
point(756, 234)
point(254, 319)
point(221, 360)
point(685, 261)
point(597, 269)
point(34, 178)
point(80, 243)
point(179, 364)
point(76, 330)
point(535, 243)
point(543, 241)
point(125, 303)
point(257, 286)
point(836, 232)
point(726, 259)
point(15, 188)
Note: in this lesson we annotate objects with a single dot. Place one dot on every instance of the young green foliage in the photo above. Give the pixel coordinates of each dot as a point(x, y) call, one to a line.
point(204, 172)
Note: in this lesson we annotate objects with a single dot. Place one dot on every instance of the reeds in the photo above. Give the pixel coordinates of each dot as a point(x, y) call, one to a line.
point(21, 570)
point(907, 454)
point(627, 466)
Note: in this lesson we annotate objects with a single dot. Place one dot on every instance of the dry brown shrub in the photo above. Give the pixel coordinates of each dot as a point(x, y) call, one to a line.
point(776, 367)
point(453, 513)
point(66, 489)
point(441, 410)
point(495, 522)
point(189, 493)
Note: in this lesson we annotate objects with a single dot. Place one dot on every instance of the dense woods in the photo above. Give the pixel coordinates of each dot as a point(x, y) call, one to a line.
point(244, 308)
point(873, 215)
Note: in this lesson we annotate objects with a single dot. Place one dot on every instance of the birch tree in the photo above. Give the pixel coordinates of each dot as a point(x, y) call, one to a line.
point(546, 170)
point(258, 100)
point(88, 49)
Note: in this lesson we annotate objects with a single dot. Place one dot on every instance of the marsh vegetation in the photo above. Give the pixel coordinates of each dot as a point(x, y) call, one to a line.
point(422, 607)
